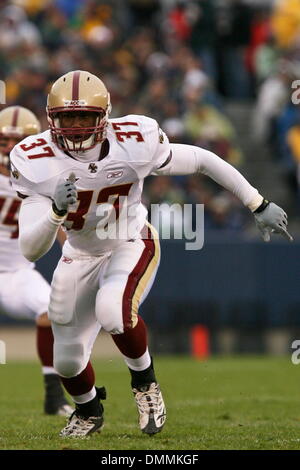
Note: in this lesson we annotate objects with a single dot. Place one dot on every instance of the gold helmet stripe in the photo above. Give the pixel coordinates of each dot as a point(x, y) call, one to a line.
point(75, 85)
point(15, 116)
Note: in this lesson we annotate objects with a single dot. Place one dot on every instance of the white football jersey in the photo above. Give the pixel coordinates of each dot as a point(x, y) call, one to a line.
point(108, 189)
point(11, 258)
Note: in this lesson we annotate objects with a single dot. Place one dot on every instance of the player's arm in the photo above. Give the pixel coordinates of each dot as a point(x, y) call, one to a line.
point(38, 227)
point(189, 159)
point(40, 219)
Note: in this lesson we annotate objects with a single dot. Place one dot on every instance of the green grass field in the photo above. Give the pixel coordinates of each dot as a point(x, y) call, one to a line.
point(222, 403)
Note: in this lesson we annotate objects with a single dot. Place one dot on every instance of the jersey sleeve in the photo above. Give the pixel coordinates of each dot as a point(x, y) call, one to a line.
point(190, 159)
point(22, 184)
point(30, 173)
point(38, 227)
point(158, 145)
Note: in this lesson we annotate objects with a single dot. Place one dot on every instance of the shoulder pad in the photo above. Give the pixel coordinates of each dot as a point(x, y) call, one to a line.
point(37, 159)
point(136, 129)
point(128, 123)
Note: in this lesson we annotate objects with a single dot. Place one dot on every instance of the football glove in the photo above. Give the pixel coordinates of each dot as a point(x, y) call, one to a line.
point(270, 218)
point(65, 195)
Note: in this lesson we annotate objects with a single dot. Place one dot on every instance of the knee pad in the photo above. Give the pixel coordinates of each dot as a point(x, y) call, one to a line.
point(69, 359)
point(110, 325)
point(109, 310)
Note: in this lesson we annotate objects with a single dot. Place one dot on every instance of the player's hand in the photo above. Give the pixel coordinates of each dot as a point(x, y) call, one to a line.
point(272, 219)
point(65, 195)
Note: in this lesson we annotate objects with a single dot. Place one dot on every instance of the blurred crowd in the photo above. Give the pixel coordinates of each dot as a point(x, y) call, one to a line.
point(175, 61)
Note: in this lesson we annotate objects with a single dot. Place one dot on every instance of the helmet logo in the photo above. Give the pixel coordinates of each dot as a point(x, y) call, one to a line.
point(75, 103)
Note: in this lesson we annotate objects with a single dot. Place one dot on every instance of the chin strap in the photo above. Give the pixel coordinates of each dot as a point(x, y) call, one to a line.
point(85, 143)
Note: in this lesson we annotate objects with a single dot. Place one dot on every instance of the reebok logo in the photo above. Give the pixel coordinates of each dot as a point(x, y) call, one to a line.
point(114, 174)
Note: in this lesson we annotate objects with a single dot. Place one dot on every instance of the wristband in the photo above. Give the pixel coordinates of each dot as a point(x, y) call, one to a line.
point(60, 213)
point(262, 207)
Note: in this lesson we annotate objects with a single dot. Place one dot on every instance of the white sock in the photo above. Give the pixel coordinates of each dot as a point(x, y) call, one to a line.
point(85, 397)
point(141, 363)
point(48, 370)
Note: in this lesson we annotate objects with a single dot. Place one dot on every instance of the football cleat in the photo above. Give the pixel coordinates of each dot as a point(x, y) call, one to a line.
point(58, 407)
point(79, 426)
point(83, 426)
point(55, 401)
point(151, 408)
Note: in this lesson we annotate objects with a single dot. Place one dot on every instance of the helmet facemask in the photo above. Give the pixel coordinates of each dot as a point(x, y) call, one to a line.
point(82, 138)
point(7, 143)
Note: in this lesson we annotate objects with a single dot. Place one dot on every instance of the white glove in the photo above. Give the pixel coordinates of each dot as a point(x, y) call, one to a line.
point(270, 218)
point(65, 195)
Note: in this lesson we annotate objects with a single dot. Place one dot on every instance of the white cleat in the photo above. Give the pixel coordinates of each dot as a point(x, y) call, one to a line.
point(82, 427)
point(151, 408)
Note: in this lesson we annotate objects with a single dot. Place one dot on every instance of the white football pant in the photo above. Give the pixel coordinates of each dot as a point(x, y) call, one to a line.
point(24, 293)
point(93, 292)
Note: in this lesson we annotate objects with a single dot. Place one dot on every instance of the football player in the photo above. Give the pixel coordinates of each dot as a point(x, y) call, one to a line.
point(24, 293)
point(78, 174)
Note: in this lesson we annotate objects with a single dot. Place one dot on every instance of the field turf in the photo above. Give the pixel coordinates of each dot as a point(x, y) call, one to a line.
point(221, 403)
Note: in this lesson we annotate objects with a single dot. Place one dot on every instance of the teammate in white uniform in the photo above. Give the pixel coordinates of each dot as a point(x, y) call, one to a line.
point(77, 175)
point(24, 293)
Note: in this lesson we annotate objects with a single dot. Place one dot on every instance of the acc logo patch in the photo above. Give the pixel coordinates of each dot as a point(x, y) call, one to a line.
point(75, 103)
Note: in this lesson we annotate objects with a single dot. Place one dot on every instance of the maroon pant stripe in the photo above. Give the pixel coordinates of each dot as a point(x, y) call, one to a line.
point(135, 277)
point(75, 85)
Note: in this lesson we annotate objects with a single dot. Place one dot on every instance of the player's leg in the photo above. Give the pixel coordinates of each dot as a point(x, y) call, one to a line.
point(75, 328)
point(124, 284)
point(55, 402)
point(32, 303)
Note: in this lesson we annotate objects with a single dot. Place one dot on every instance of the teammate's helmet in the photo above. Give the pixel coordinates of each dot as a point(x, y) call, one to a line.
point(19, 122)
point(78, 91)
point(16, 123)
